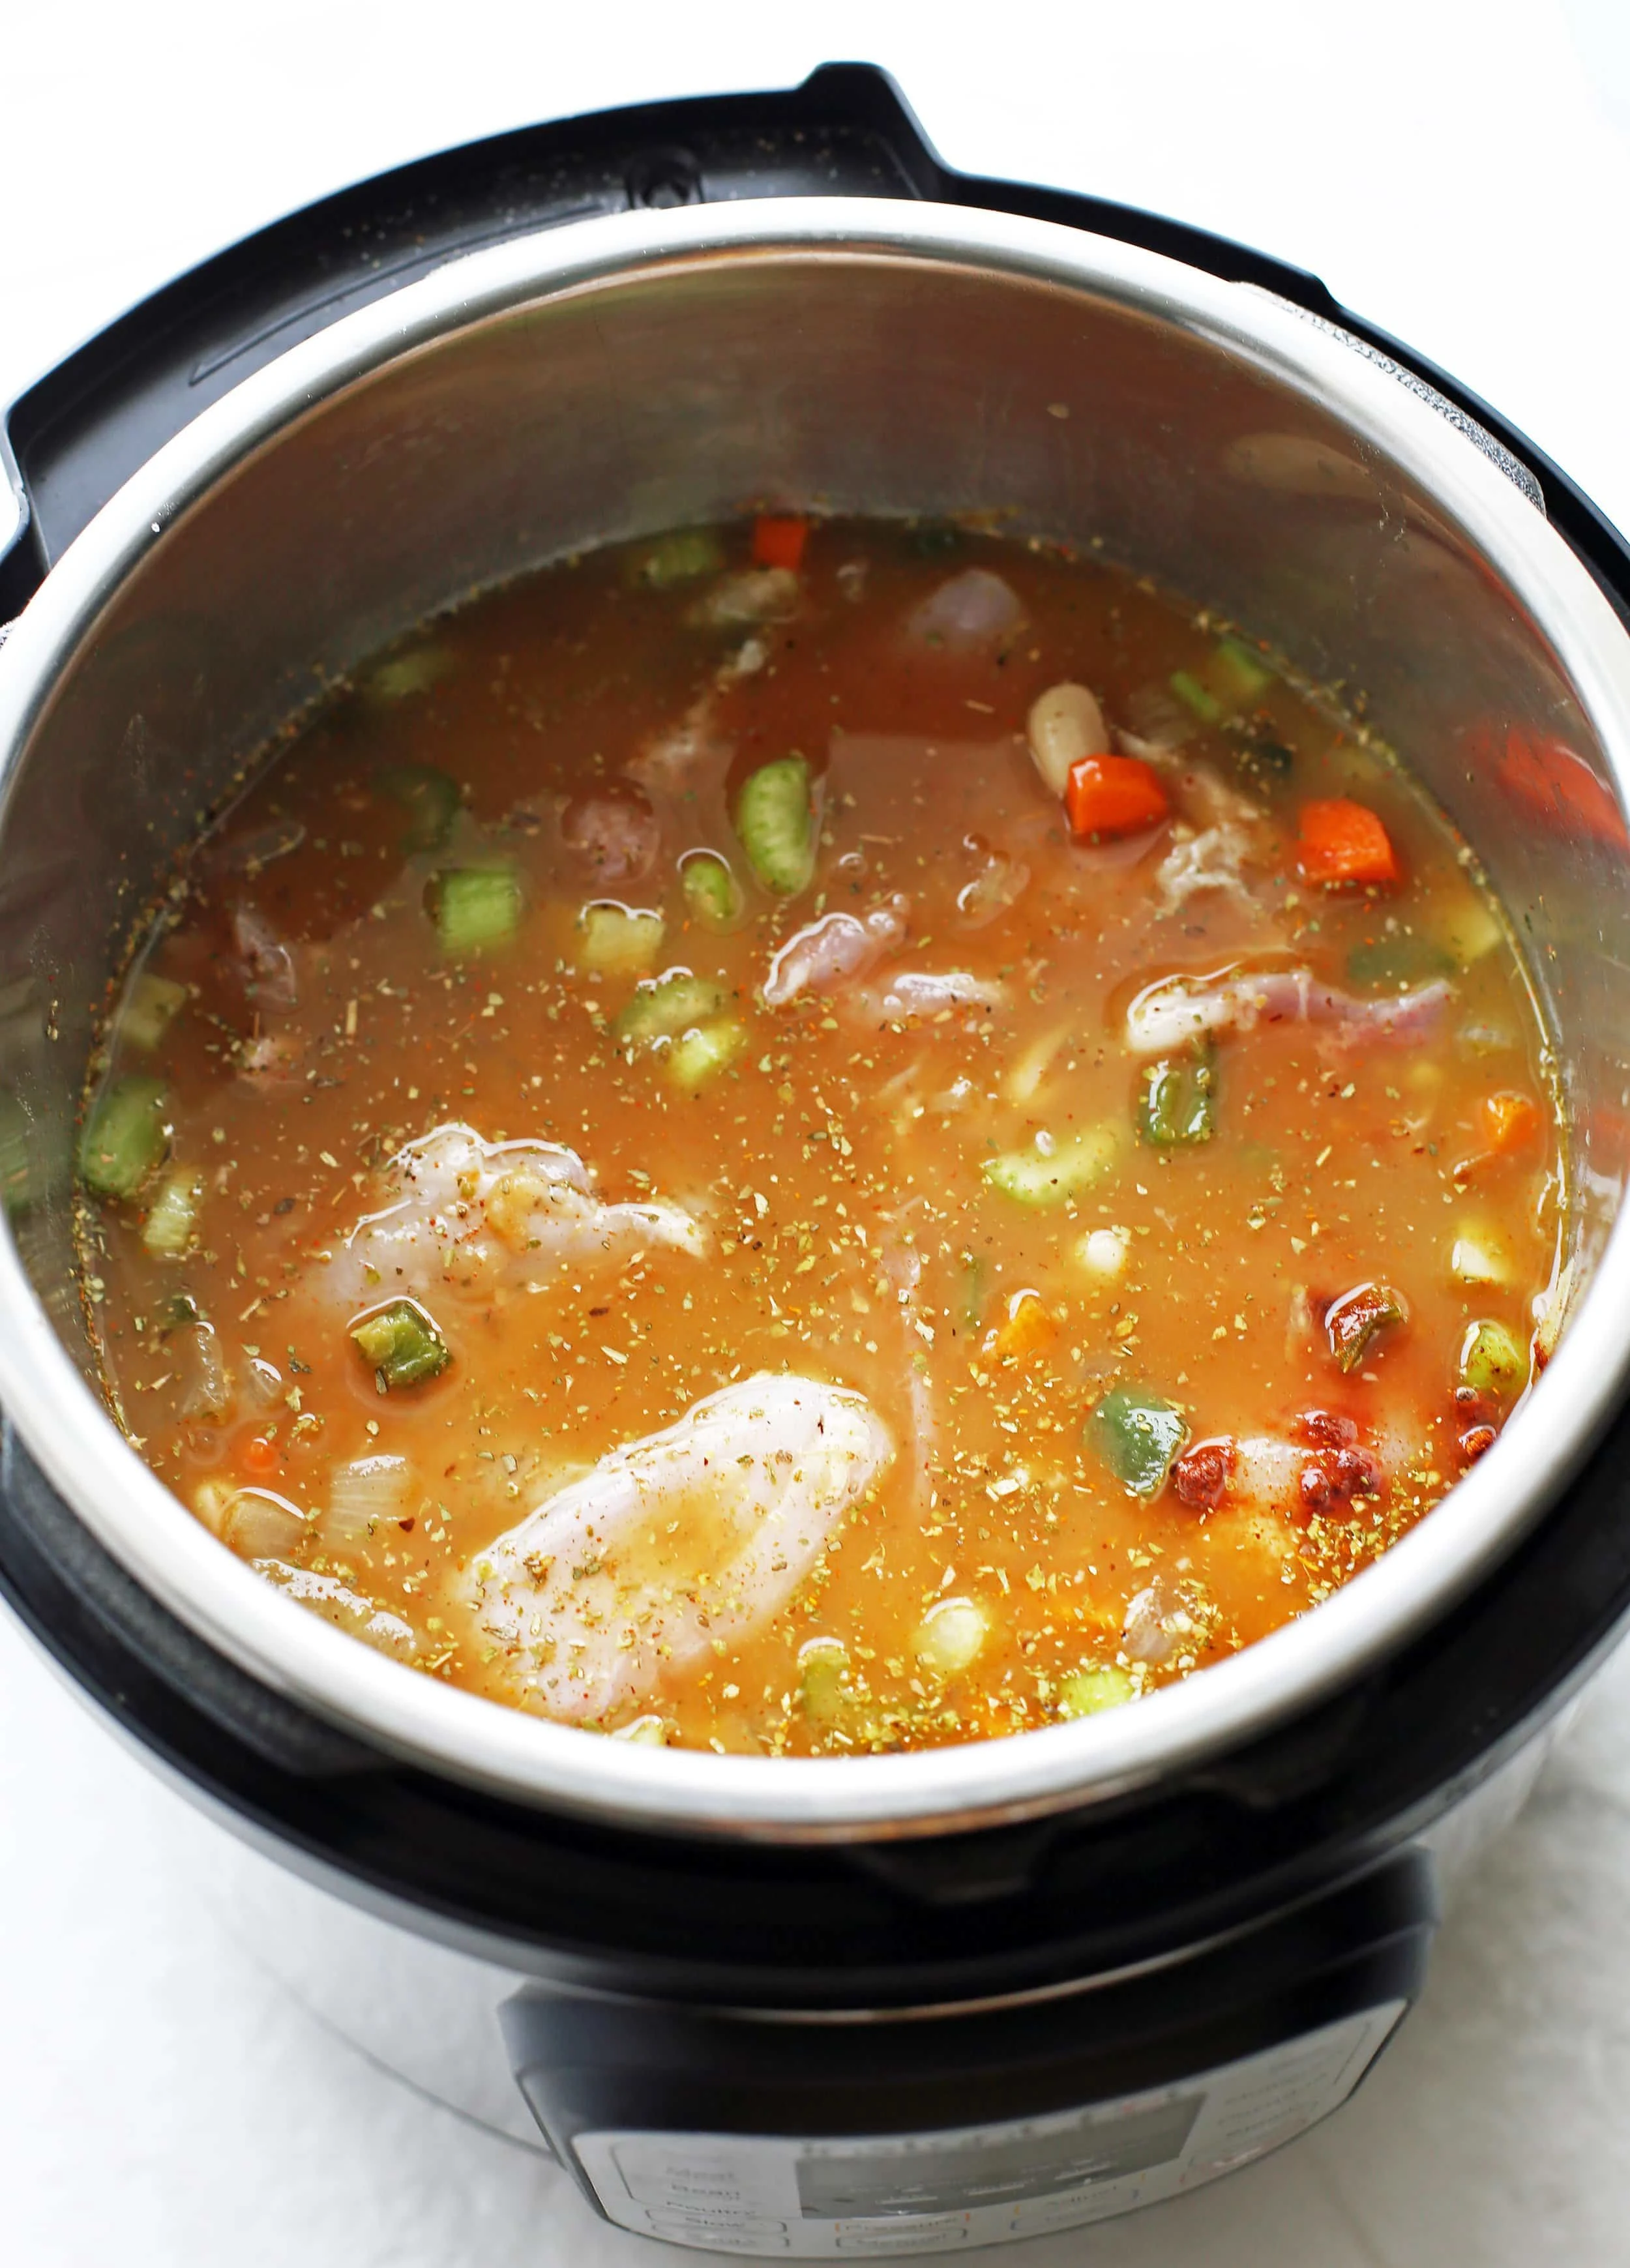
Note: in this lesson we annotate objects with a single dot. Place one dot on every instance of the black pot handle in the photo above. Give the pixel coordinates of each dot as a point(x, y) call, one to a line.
point(81, 431)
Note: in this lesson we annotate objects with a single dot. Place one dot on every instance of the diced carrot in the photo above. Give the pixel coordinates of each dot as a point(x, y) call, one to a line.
point(1341, 841)
point(260, 1455)
point(778, 542)
point(1510, 1122)
point(1028, 1327)
point(1108, 796)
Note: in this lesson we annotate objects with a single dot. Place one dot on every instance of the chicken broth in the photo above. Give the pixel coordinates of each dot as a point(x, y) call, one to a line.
point(816, 1137)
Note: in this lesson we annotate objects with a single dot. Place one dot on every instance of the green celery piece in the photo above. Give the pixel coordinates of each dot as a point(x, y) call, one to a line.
point(1089, 1692)
point(405, 674)
point(476, 906)
point(1393, 961)
point(1033, 1178)
point(664, 1007)
point(971, 1311)
point(712, 893)
point(428, 797)
point(400, 1343)
point(616, 940)
point(125, 1136)
point(698, 1056)
point(147, 1010)
point(822, 1667)
point(1195, 697)
point(172, 1218)
point(679, 556)
point(1237, 674)
point(1177, 1099)
point(1492, 1361)
point(1139, 1435)
point(776, 823)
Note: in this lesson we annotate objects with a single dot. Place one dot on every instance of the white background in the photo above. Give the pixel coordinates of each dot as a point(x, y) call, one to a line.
point(1459, 174)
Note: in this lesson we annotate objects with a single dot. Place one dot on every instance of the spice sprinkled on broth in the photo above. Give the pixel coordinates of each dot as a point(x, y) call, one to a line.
point(820, 1137)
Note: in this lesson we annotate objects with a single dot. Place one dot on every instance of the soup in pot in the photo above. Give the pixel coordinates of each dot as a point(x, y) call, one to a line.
point(821, 1136)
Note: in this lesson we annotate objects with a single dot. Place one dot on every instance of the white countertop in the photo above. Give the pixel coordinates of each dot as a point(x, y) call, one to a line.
point(1461, 177)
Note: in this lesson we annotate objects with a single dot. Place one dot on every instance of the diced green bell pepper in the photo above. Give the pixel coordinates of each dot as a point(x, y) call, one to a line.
point(1354, 1322)
point(400, 1343)
point(1492, 1361)
point(476, 906)
point(1139, 1436)
point(430, 798)
point(1177, 1099)
point(1053, 1177)
point(125, 1136)
point(775, 821)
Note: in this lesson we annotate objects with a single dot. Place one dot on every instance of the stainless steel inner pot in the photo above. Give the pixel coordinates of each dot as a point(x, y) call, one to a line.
point(629, 374)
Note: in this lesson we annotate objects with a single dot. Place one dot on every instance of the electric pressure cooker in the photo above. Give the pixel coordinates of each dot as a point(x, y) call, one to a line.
point(842, 2008)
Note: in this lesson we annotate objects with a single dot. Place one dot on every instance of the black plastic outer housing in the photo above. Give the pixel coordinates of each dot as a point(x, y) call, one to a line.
point(1261, 1847)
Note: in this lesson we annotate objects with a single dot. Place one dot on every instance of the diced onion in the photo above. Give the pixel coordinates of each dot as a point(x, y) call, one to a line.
point(262, 1526)
point(362, 1494)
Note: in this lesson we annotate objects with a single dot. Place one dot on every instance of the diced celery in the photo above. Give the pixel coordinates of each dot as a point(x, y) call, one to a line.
point(775, 820)
point(476, 906)
point(1492, 1361)
point(679, 556)
point(1139, 1435)
point(173, 1220)
point(125, 1136)
point(700, 1055)
point(428, 797)
point(16, 1167)
point(1088, 1692)
point(1195, 697)
point(618, 941)
point(400, 1343)
point(1353, 1322)
point(712, 893)
point(1053, 1177)
point(1237, 674)
point(971, 1307)
point(404, 673)
point(1401, 958)
point(147, 1012)
point(1177, 1099)
point(950, 1636)
point(823, 1666)
point(664, 1007)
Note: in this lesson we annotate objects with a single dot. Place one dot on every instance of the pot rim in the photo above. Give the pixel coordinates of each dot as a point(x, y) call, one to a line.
point(441, 1728)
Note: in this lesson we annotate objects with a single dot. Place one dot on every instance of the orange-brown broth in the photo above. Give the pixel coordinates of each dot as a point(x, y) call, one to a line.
point(827, 1148)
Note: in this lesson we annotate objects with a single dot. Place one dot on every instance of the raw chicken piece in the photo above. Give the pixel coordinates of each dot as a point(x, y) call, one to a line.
point(614, 831)
point(1182, 1009)
point(1210, 861)
point(925, 992)
point(472, 1211)
point(695, 1534)
point(826, 953)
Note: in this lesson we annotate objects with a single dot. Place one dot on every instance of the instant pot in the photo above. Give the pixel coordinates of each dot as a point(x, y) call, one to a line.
point(842, 2008)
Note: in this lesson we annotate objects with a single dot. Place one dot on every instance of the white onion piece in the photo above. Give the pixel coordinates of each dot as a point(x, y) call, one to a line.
point(260, 1525)
point(973, 611)
point(362, 1494)
point(1065, 724)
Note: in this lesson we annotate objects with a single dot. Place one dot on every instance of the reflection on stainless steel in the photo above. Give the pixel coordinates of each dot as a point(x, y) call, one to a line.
point(663, 368)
